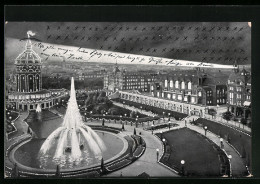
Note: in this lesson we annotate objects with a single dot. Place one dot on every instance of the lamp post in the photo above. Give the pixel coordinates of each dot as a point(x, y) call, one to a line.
point(230, 157)
point(123, 103)
point(157, 154)
point(62, 101)
point(152, 128)
point(205, 128)
point(136, 122)
point(163, 117)
point(10, 117)
point(169, 119)
point(85, 116)
point(182, 166)
point(141, 108)
point(163, 140)
point(161, 134)
point(91, 116)
point(57, 104)
point(221, 143)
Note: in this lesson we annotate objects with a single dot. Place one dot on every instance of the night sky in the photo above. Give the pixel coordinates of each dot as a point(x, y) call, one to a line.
point(220, 43)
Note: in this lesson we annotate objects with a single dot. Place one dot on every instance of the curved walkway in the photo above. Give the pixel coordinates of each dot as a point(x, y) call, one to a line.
point(20, 125)
point(148, 161)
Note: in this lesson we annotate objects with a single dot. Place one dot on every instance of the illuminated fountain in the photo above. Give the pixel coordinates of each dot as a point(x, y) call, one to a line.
point(73, 141)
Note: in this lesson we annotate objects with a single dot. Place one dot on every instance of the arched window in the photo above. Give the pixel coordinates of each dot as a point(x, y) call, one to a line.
point(176, 84)
point(166, 83)
point(171, 83)
point(182, 85)
point(189, 85)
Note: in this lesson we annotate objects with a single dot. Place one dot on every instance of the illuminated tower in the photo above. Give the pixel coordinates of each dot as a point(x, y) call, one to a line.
point(28, 70)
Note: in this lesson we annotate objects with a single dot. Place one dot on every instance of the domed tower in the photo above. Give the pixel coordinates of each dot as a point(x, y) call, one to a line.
point(28, 70)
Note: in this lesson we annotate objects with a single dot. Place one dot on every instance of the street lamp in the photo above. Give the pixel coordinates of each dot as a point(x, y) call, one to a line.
point(161, 134)
point(91, 116)
point(141, 108)
point(182, 166)
point(163, 141)
point(221, 143)
point(85, 115)
point(163, 117)
point(205, 128)
point(229, 157)
point(152, 128)
point(10, 117)
point(157, 154)
point(136, 122)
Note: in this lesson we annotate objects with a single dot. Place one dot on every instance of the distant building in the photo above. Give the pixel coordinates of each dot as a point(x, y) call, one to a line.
point(29, 92)
point(191, 86)
point(92, 75)
point(123, 80)
point(239, 93)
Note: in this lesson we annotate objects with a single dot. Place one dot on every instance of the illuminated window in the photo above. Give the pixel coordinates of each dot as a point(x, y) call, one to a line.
point(182, 85)
point(171, 83)
point(176, 84)
point(165, 83)
point(189, 85)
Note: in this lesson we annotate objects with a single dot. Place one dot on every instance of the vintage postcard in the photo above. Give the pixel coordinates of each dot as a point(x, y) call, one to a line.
point(128, 99)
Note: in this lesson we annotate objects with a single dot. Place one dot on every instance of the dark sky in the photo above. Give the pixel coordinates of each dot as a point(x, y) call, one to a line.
point(220, 43)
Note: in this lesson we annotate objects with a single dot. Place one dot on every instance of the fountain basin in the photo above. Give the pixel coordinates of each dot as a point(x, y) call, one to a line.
point(26, 154)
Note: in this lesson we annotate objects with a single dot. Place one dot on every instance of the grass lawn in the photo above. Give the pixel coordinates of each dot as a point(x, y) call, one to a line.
point(201, 158)
point(240, 141)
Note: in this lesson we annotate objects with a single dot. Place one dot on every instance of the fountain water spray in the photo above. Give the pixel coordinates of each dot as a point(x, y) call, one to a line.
point(73, 138)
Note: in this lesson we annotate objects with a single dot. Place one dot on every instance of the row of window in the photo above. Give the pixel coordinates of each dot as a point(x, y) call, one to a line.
point(231, 88)
point(177, 84)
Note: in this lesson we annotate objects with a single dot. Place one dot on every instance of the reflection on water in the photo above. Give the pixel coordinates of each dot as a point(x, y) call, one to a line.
point(28, 154)
point(47, 162)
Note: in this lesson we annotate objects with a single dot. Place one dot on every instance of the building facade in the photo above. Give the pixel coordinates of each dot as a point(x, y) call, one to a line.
point(92, 75)
point(123, 80)
point(29, 93)
point(191, 86)
point(239, 93)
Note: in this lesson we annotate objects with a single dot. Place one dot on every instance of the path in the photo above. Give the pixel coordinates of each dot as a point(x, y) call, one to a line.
point(148, 161)
point(20, 125)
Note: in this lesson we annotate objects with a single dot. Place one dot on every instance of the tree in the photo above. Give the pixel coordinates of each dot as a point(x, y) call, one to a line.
point(212, 112)
point(227, 116)
point(88, 101)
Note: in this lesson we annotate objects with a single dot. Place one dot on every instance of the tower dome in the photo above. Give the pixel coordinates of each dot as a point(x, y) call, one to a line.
point(28, 56)
point(28, 69)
